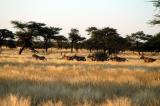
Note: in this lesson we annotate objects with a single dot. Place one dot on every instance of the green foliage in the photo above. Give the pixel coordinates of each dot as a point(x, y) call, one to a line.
point(27, 30)
point(30, 30)
point(91, 29)
point(19, 25)
point(156, 3)
point(154, 43)
point(75, 37)
point(156, 20)
point(49, 32)
point(138, 36)
point(60, 39)
point(10, 43)
point(138, 40)
point(106, 39)
point(5, 34)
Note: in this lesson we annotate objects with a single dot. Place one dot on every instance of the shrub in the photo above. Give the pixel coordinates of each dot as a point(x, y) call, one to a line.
point(11, 44)
point(100, 56)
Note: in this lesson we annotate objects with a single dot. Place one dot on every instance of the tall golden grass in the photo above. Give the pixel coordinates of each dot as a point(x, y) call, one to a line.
point(25, 81)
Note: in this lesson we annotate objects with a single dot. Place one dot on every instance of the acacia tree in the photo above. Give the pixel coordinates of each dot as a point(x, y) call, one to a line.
point(75, 37)
point(80, 41)
point(129, 43)
point(48, 33)
point(60, 39)
point(4, 34)
point(139, 38)
point(90, 30)
point(90, 43)
point(156, 20)
point(153, 44)
point(26, 32)
point(110, 37)
point(105, 38)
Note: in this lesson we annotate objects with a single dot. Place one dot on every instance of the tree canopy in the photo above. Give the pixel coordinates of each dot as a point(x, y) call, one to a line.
point(74, 38)
point(156, 20)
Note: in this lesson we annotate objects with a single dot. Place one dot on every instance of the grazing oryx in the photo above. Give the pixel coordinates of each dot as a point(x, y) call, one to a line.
point(37, 57)
point(79, 58)
point(118, 59)
point(67, 57)
point(74, 57)
point(147, 59)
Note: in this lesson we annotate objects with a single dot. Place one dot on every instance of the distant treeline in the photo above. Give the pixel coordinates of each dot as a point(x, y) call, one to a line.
point(153, 44)
point(33, 35)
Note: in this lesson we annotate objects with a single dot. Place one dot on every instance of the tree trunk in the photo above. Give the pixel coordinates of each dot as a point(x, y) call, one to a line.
point(27, 44)
point(104, 49)
point(46, 45)
point(109, 51)
point(71, 47)
point(61, 43)
point(137, 44)
point(76, 47)
point(21, 50)
point(57, 44)
point(30, 47)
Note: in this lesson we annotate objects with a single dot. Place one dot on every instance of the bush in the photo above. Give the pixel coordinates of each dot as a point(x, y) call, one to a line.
point(11, 44)
point(100, 56)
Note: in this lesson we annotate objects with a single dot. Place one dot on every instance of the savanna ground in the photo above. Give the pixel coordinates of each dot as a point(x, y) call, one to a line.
point(25, 81)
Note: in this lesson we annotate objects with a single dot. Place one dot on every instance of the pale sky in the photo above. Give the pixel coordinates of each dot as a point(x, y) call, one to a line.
point(127, 16)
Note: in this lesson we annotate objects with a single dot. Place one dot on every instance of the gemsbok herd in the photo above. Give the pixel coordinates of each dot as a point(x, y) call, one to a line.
point(37, 57)
point(83, 58)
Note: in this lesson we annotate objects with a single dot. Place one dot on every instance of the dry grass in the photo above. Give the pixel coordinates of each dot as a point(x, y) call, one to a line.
point(25, 81)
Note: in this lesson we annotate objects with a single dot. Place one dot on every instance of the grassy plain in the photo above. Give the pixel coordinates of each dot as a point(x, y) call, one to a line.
point(25, 81)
